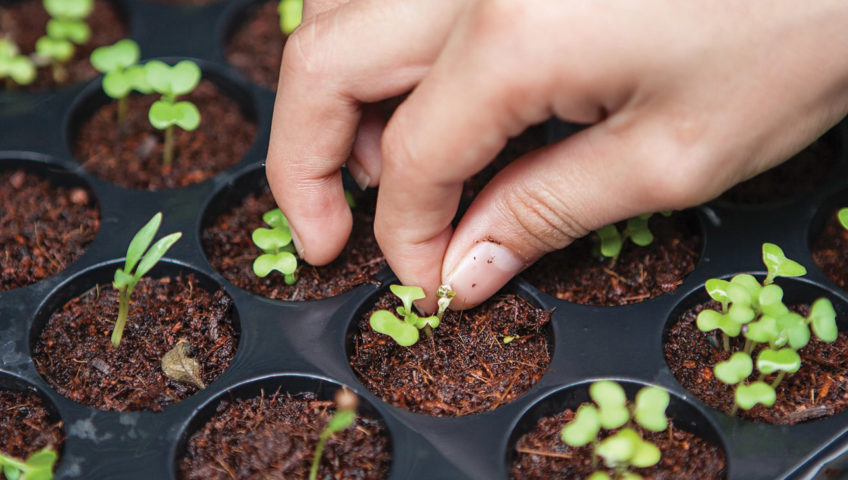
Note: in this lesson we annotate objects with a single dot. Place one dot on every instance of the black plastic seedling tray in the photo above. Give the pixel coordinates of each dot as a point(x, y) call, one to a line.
point(302, 346)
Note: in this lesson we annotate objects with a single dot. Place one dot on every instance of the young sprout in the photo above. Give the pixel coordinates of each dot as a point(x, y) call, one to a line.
point(625, 448)
point(121, 74)
point(14, 67)
point(345, 415)
point(65, 28)
point(38, 466)
point(291, 13)
point(55, 52)
point(778, 265)
point(611, 240)
point(171, 82)
point(404, 330)
point(843, 217)
point(276, 243)
point(128, 277)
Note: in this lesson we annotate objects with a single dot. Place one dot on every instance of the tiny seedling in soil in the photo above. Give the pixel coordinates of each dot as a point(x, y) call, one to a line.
point(38, 466)
point(276, 243)
point(291, 13)
point(345, 415)
point(14, 67)
point(65, 28)
point(126, 279)
point(404, 330)
point(121, 73)
point(165, 113)
point(625, 448)
point(757, 312)
point(611, 240)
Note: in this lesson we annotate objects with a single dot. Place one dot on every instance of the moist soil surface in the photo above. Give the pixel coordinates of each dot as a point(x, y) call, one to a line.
point(531, 139)
point(42, 229)
point(813, 392)
point(274, 437)
point(130, 154)
point(74, 352)
point(256, 46)
point(578, 274)
point(465, 367)
point(541, 454)
point(26, 426)
point(830, 251)
point(231, 251)
point(25, 22)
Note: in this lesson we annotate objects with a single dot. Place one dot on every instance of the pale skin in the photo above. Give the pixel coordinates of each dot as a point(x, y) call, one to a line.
point(684, 99)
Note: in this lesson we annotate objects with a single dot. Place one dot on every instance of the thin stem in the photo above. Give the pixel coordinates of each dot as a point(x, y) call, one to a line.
point(60, 74)
point(122, 109)
point(749, 345)
point(761, 377)
point(779, 379)
point(725, 342)
point(428, 330)
point(168, 153)
point(316, 460)
point(734, 410)
point(123, 311)
point(595, 443)
point(12, 462)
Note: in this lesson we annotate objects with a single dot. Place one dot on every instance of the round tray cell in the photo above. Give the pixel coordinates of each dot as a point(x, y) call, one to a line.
point(829, 240)
point(811, 393)
point(579, 274)
point(268, 427)
point(29, 421)
point(25, 21)
point(476, 360)
point(234, 213)
point(129, 152)
point(48, 218)
point(171, 305)
point(691, 447)
point(254, 42)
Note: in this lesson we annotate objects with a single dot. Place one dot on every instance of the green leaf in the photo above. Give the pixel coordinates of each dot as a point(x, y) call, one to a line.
point(116, 84)
point(645, 455)
point(172, 81)
point(649, 409)
point(407, 295)
point(122, 279)
point(283, 262)
point(44, 458)
point(383, 321)
point(20, 68)
point(610, 241)
point(747, 396)
point(599, 475)
point(76, 31)
point(141, 241)
point(275, 218)
point(709, 320)
point(793, 328)
point(55, 49)
point(735, 369)
point(291, 14)
point(421, 322)
point(822, 319)
point(584, 428)
point(340, 421)
point(843, 217)
point(631, 476)
point(717, 290)
point(136, 77)
point(749, 283)
point(271, 240)
point(156, 252)
point(163, 114)
point(11, 473)
point(637, 229)
point(612, 403)
point(771, 301)
point(786, 359)
point(740, 314)
point(618, 449)
point(69, 8)
point(763, 330)
point(778, 265)
point(119, 56)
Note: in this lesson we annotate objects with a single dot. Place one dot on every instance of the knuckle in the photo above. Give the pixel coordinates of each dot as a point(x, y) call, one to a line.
point(305, 52)
point(542, 219)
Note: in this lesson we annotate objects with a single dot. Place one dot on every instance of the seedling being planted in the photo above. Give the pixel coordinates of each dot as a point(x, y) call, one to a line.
point(14, 67)
point(140, 259)
point(291, 13)
point(625, 448)
point(39, 465)
point(65, 28)
point(121, 74)
point(757, 312)
point(276, 243)
point(404, 330)
point(345, 415)
point(636, 230)
point(165, 113)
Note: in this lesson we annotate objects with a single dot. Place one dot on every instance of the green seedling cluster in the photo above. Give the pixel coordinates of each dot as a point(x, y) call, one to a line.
point(344, 416)
point(140, 259)
point(65, 29)
point(404, 330)
point(14, 67)
point(757, 312)
point(291, 14)
point(167, 112)
point(843, 217)
point(39, 465)
point(276, 243)
point(636, 230)
point(122, 75)
point(625, 448)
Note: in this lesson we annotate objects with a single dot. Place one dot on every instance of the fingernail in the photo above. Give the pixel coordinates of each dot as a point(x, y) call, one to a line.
point(482, 272)
point(361, 178)
point(297, 245)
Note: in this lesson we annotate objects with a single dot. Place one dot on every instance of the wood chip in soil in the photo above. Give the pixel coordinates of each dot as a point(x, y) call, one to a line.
point(231, 251)
point(577, 273)
point(26, 426)
point(42, 229)
point(813, 392)
point(830, 251)
point(274, 437)
point(74, 352)
point(256, 46)
point(465, 368)
point(130, 155)
point(684, 455)
point(26, 21)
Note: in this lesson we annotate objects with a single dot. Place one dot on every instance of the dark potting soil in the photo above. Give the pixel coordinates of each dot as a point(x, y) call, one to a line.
point(529, 140)
point(26, 427)
point(274, 437)
point(465, 367)
point(131, 155)
point(231, 251)
point(74, 352)
point(813, 392)
point(577, 274)
point(542, 455)
point(42, 229)
point(256, 46)
point(830, 251)
point(26, 21)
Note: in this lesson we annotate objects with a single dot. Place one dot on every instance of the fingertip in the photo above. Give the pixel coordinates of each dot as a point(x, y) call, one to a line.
point(478, 274)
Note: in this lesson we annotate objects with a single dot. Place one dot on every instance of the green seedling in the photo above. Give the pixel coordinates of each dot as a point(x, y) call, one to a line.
point(625, 448)
point(276, 243)
point(167, 112)
point(778, 265)
point(612, 241)
point(38, 466)
point(140, 259)
point(404, 330)
point(65, 28)
point(345, 415)
point(747, 396)
point(291, 14)
point(14, 67)
point(843, 217)
point(121, 73)
point(55, 52)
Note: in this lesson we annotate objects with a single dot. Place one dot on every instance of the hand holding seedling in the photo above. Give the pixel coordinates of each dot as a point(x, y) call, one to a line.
point(165, 113)
point(665, 131)
point(38, 466)
point(404, 330)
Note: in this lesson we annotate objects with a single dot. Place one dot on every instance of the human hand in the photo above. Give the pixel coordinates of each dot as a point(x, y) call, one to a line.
point(685, 99)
